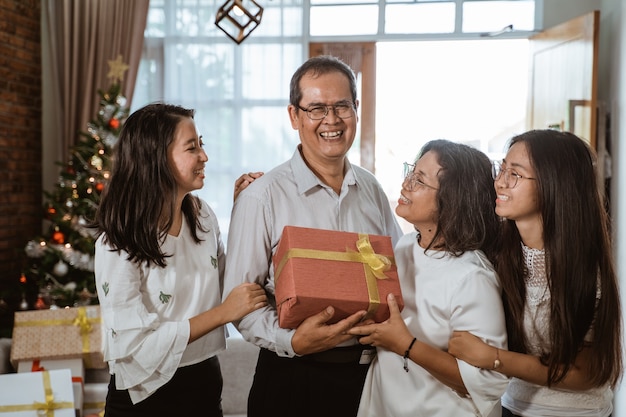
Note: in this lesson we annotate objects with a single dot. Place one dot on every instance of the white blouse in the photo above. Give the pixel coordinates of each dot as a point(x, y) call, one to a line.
point(146, 309)
point(441, 294)
point(532, 400)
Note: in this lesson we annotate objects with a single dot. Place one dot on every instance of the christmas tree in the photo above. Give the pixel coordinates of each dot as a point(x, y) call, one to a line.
point(60, 262)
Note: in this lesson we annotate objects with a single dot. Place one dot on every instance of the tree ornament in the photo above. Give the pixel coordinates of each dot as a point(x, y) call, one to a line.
point(40, 304)
point(24, 303)
point(60, 269)
point(100, 187)
point(58, 236)
point(114, 123)
point(117, 69)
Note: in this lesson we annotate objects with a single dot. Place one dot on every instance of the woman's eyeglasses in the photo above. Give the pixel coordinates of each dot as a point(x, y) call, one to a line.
point(411, 181)
point(510, 176)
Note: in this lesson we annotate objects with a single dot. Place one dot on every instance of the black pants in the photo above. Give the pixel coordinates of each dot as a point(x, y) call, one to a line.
point(194, 390)
point(507, 413)
point(306, 386)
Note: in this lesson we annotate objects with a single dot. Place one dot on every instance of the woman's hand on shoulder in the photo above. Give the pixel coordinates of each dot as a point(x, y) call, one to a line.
point(243, 181)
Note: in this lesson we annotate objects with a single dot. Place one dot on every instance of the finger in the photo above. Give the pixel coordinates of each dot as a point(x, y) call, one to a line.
point(324, 315)
point(393, 305)
point(352, 320)
point(361, 330)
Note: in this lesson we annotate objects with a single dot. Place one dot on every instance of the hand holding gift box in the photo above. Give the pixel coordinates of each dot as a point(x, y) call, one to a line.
point(315, 268)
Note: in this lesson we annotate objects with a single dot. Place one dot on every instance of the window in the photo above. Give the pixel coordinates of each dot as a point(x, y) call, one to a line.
point(240, 92)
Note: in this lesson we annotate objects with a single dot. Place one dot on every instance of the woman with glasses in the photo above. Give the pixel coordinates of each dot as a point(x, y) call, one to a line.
point(448, 283)
point(559, 284)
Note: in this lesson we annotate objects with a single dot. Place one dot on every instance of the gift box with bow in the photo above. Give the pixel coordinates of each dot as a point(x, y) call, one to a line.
point(36, 394)
point(315, 268)
point(58, 334)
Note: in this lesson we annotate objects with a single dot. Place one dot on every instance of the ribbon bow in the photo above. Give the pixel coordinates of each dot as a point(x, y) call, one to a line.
point(81, 321)
point(378, 264)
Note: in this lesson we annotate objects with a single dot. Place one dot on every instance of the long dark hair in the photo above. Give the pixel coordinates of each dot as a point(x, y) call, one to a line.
point(465, 199)
point(578, 256)
point(136, 209)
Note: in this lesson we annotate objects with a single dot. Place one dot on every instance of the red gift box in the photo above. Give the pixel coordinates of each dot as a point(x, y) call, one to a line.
point(315, 268)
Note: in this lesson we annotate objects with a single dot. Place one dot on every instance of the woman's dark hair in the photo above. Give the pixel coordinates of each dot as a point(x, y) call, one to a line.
point(136, 208)
point(316, 66)
point(578, 258)
point(465, 200)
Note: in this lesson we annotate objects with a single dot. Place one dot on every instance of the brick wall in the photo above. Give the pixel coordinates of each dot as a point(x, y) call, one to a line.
point(20, 142)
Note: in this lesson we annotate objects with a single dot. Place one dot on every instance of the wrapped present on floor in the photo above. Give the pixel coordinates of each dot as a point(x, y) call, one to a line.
point(35, 394)
point(95, 398)
point(315, 268)
point(65, 333)
point(76, 367)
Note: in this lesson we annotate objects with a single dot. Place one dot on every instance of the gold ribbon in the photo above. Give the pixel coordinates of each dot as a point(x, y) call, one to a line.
point(46, 408)
point(81, 321)
point(374, 265)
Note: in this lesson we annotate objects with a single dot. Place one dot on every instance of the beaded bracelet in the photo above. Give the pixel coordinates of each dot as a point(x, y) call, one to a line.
point(406, 355)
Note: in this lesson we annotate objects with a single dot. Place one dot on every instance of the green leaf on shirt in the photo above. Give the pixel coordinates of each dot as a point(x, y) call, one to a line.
point(165, 298)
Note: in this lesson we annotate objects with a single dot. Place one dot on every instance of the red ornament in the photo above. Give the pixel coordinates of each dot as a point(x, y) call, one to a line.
point(22, 279)
point(51, 211)
point(40, 304)
point(100, 187)
point(114, 123)
point(71, 170)
point(58, 237)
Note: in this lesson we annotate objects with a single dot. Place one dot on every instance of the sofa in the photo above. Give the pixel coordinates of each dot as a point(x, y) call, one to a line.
point(237, 362)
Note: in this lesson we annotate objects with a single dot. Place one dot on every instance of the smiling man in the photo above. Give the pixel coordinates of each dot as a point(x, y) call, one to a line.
point(315, 369)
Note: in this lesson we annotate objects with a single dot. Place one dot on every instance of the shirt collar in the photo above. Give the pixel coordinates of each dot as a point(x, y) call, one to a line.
point(306, 179)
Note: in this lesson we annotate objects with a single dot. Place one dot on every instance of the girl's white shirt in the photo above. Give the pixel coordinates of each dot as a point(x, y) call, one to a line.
point(146, 309)
point(531, 400)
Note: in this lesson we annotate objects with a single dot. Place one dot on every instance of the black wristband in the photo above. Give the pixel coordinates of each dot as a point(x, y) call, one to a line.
point(406, 355)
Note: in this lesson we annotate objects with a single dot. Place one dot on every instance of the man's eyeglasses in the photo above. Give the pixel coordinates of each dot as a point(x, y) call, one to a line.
point(510, 176)
point(411, 181)
point(341, 110)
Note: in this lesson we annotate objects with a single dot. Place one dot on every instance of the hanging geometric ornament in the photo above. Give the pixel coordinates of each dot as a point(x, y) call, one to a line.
point(238, 18)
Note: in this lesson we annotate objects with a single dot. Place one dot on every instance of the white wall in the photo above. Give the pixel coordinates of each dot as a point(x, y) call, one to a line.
point(613, 90)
